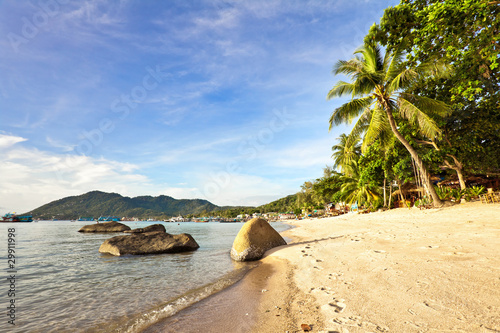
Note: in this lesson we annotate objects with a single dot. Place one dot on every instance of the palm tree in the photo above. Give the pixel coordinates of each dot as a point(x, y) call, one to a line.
point(379, 91)
point(355, 189)
point(346, 152)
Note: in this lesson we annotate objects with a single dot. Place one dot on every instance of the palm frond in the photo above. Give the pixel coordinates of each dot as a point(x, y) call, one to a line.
point(427, 126)
point(378, 125)
point(346, 152)
point(340, 89)
point(372, 59)
point(393, 62)
point(428, 105)
point(365, 83)
point(350, 110)
point(403, 78)
point(435, 68)
point(347, 67)
point(361, 125)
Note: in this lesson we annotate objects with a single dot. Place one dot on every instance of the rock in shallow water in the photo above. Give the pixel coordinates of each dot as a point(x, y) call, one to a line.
point(254, 239)
point(105, 227)
point(149, 243)
point(149, 228)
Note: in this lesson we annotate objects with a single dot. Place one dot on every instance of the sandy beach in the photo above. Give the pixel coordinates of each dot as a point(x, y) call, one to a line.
point(403, 270)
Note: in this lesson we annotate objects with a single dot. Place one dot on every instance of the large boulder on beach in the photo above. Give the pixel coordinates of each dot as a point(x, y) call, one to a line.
point(149, 228)
point(254, 239)
point(149, 243)
point(112, 226)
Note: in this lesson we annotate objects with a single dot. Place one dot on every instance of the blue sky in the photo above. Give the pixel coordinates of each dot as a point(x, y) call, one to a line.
point(220, 100)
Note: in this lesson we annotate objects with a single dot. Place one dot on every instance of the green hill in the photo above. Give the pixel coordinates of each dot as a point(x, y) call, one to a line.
point(97, 203)
point(286, 204)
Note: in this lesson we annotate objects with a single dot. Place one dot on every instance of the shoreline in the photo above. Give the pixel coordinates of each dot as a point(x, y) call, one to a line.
point(403, 270)
point(265, 300)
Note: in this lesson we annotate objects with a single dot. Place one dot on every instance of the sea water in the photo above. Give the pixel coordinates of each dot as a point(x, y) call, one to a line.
point(63, 284)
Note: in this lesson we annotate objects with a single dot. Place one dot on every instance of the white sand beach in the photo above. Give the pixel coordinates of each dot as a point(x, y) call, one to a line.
point(403, 270)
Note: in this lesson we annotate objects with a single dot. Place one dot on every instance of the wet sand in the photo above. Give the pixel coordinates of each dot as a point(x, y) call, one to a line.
point(231, 310)
point(234, 309)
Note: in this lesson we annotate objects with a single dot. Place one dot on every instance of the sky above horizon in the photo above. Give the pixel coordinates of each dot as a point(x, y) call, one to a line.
point(219, 100)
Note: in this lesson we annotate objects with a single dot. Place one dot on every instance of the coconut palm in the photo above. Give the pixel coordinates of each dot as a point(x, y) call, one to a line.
point(379, 91)
point(346, 152)
point(355, 189)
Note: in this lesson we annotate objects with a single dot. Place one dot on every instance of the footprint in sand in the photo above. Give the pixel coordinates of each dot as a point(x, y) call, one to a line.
point(338, 305)
point(356, 321)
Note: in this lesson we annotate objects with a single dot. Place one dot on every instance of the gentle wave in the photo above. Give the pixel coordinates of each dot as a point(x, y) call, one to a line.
point(170, 308)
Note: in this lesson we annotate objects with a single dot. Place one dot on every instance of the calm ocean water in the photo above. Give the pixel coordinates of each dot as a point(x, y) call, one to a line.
point(63, 284)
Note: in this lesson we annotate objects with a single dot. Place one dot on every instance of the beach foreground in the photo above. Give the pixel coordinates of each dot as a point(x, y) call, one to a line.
point(404, 270)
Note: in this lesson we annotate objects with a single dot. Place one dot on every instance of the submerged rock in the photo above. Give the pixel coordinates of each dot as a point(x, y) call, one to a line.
point(112, 226)
point(149, 243)
point(149, 228)
point(254, 239)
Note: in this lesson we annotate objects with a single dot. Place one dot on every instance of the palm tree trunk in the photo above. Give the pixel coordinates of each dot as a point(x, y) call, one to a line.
point(401, 193)
point(385, 186)
point(423, 170)
point(390, 194)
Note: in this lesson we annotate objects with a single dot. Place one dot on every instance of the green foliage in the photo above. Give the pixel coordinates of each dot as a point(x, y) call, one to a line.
point(377, 204)
point(458, 194)
point(326, 187)
point(476, 191)
point(381, 90)
point(444, 193)
point(356, 189)
point(423, 202)
point(346, 152)
point(465, 34)
point(286, 204)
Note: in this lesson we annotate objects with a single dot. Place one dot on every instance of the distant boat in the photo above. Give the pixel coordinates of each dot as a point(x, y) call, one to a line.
point(86, 219)
point(17, 218)
point(108, 219)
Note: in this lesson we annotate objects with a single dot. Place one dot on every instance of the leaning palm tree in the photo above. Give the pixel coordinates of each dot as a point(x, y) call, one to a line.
point(379, 90)
point(346, 152)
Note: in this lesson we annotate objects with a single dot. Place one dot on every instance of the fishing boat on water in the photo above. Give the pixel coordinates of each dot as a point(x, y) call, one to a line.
point(12, 217)
point(108, 219)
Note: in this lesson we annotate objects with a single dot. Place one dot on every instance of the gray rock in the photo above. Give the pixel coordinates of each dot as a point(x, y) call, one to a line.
point(149, 228)
point(105, 227)
point(149, 243)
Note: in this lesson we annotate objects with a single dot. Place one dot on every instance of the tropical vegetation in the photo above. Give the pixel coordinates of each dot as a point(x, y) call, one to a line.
point(424, 100)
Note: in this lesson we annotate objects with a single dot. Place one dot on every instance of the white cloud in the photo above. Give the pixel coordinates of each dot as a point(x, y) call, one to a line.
point(7, 141)
point(31, 178)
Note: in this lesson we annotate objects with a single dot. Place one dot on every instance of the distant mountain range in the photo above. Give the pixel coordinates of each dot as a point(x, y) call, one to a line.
point(97, 203)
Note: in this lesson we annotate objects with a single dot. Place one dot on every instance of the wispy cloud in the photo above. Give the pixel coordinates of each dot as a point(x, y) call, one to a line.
point(7, 141)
